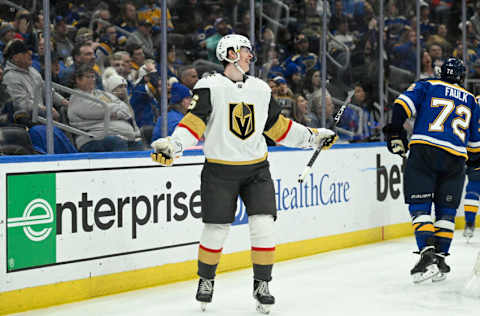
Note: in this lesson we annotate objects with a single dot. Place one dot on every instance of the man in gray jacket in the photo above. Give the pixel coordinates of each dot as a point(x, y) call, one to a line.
point(22, 81)
point(89, 116)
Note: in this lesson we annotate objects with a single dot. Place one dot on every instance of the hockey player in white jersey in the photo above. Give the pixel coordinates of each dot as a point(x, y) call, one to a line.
point(233, 111)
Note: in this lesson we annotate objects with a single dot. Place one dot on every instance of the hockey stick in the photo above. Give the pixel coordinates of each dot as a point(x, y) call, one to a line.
point(336, 119)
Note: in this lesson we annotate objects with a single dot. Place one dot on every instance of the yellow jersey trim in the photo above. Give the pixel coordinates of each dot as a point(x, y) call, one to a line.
point(450, 150)
point(238, 163)
point(451, 85)
point(404, 106)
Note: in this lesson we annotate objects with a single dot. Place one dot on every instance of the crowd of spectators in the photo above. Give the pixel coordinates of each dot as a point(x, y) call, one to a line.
point(110, 50)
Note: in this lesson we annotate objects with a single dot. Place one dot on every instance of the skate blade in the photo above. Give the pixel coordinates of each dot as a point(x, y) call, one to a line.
point(263, 308)
point(203, 306)
point(439, 277)
point(432, 271)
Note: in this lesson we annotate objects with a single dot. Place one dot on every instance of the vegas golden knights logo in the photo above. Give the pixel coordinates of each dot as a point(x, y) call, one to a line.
point(242, 119)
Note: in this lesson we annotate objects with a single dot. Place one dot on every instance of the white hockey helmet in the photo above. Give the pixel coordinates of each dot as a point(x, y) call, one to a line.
point(234, 41)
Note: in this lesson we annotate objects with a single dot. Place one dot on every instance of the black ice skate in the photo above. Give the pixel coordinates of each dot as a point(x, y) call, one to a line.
point(426, 268)
point(443, 267)
point(263, 297)
point(468, 232)
point(204, 292)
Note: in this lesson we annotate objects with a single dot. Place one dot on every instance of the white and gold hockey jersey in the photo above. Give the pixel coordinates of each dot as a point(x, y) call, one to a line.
point(234, 117)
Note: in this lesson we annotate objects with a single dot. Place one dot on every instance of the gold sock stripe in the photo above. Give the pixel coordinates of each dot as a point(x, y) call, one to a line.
point(208, 257)
point(263, 257)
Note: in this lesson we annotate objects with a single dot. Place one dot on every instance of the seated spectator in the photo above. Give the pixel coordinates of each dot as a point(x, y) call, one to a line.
point(142, 37)
point(427, 66)
point(365, 124)
point(82, 55)
point(317, 110)
point(108, 44)
point(137, 59)
point(342, 35)
point(89, 116)
point(440, 38)
point(179, 103)
point(152, 14)
point(471, 55)
point(274, 86)
point(23, 81)
point(427, 27)
point(285, 96)
point(222, 29)
point(128, 19)
point(304, 58)
point(120, 61)
point(23, 27)
point(117, 85)
point(300, 110)
point(63, 44)
point(145, 104)
point(294, 77)
point(405, 51)
point(173, 63)
point(6, 103)
point(312, 83)
point(7, 33)
point(436, 54)
point(189, 76)
point(271, 67)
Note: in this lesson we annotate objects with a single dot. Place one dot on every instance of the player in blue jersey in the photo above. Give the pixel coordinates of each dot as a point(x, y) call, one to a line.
point(472, 197)
point(445, 135)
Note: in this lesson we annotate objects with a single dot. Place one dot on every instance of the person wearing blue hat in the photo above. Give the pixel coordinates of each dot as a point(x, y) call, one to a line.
point(63, 44)
point(294, 77)
point(179, 103)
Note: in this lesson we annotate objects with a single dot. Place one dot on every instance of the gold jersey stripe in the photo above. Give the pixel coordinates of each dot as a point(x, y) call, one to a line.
point(450, 150)
point(473, 150)
point(280, 129)
point(471, 208)
point(263, 257)
point(444, 235)
point(238, 163)
point(194, 124)
point(426, 228)
point(451, 85)
point(207, 257)
point(404, 106)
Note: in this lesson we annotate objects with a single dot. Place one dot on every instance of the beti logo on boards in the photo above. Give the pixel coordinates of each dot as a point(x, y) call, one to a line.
point(389, 181)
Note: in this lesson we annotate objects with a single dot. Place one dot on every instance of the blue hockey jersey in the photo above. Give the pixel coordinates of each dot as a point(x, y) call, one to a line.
point(447, 116)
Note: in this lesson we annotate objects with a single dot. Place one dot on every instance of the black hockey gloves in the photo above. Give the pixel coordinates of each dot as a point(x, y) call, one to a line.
point(396, 137)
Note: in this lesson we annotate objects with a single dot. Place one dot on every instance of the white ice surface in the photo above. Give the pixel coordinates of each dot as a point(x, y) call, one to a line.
point(368, 280)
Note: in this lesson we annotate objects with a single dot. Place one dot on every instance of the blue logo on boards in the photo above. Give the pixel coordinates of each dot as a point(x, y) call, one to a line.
point(319, 191)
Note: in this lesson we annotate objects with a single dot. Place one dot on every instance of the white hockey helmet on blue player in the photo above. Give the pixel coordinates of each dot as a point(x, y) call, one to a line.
point(235, 42)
